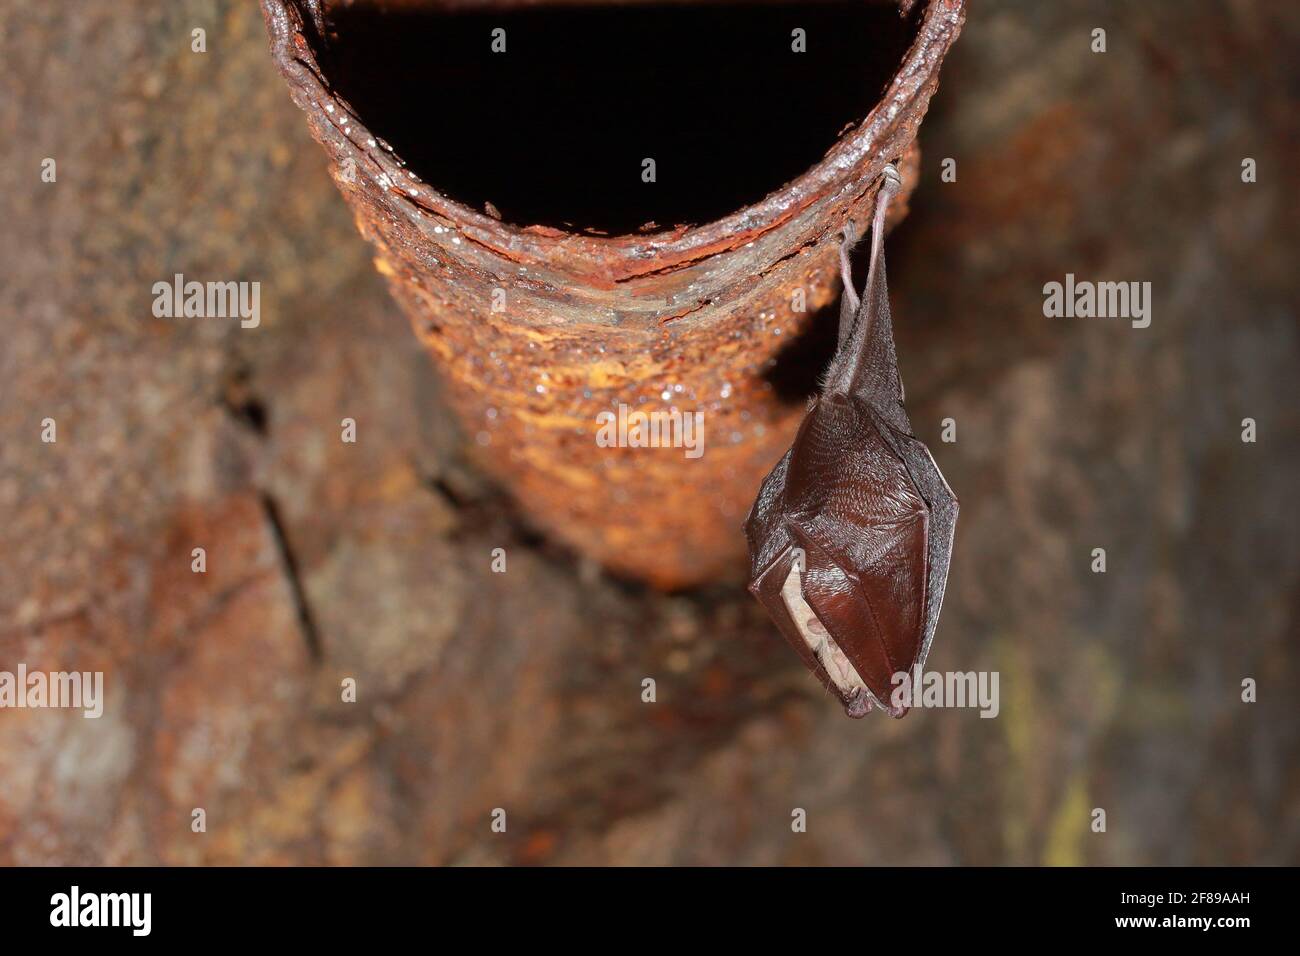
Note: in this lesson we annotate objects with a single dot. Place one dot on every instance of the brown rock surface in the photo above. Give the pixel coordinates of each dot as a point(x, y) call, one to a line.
point(522, 690)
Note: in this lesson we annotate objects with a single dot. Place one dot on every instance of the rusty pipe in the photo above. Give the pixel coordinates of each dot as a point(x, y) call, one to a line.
point(686, 319)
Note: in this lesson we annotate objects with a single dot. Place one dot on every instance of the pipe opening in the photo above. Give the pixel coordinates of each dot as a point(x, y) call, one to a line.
point(554, 130)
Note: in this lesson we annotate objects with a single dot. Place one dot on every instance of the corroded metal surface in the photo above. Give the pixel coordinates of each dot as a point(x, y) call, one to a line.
point(689, 319)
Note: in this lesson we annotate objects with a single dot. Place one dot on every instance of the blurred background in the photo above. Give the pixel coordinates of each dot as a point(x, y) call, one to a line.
point(522, 690)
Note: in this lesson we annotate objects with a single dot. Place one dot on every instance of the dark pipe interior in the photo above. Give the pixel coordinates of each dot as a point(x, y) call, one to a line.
point(554, 130)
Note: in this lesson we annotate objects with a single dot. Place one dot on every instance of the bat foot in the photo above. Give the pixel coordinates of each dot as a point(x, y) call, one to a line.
point(892, 181)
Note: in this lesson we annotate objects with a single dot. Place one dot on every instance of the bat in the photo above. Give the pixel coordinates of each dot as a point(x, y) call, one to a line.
point(851, 533)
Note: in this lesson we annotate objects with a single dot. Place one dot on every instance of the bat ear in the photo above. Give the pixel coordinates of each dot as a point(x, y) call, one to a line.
point(859, 705)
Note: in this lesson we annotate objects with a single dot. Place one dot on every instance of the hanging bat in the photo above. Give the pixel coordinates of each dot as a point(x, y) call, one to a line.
point(852, 531)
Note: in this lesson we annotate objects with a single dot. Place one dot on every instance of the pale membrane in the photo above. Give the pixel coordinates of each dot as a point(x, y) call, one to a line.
point(840, 669)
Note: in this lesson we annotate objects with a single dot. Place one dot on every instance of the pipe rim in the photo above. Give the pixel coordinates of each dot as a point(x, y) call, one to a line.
point(852, 161)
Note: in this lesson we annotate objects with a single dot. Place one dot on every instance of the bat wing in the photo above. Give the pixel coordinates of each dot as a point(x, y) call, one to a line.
point(873, 606)
point(765, 526)
point(942, 507)
point(851, 504)
point(773, 557)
